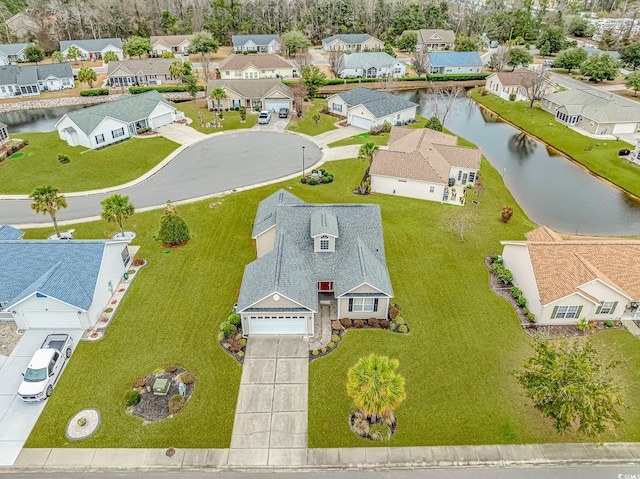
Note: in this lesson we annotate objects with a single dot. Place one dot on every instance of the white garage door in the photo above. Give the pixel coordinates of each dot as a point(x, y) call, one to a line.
point(361, 122)
point(52, 319)
point(161, 120)
point(276, 105)
point(277, 325)
point(625, 128)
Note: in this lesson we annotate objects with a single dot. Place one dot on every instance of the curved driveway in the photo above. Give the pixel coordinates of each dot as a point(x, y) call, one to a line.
point(217, 164)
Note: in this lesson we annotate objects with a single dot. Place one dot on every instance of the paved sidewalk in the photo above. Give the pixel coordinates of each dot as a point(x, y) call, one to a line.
point(270, 427)
point(632, 327)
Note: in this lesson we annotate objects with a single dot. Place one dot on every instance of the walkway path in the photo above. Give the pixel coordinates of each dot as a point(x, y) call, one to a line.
point(270, 427)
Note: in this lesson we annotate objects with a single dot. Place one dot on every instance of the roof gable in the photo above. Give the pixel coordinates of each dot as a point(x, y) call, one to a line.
point(379, 103)
point(369, 59)
point(8, 232)
point(349, 38)
point(261, 62)
point(258, 40)
point(92, 45)
point(12, 48)
point(158, 66)
point(432, 35)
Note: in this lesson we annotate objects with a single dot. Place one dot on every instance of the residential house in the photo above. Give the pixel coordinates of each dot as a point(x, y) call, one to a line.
point(22, 26)
point(596, 51)
point(93, 49)
point(100, 125)
point(454, 63)
point(58, 284)
point(176, 44)
point(4, 135)
point(435, 39)
point(315, 263)
point(505, 84)
point(565, 280)
point(593, 111)
point(256, 43)
point(263, 94)
point(252, 67)
point(126, 73)
point(372, 65)
point(367, 108)
point(355, 42)
point(11, 53)
point(425, 164)
point(30, 80)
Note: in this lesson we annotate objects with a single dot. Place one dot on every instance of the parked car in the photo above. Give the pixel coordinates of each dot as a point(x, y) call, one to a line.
point(45, 367)
point(548, 63)
point(283, 113)
point(264, 118)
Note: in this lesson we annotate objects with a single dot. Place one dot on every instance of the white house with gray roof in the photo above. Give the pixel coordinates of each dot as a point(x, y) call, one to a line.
point(593, 111)
point(313, 259)
point(367, 108)
point(93, 49)
point(30, 80)
point(256, 43)
point(10, 53)
point(372, 65)
point(454, 63)
point(115, 121)
point(58, 284)
point(355, 42)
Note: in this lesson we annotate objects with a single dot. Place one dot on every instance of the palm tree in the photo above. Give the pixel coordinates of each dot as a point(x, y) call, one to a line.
point(48, 200)
point(176, 69)
point(74, 53)
point(375, 387)
point(117, 209)
point(87, 75)
point(218, 95)
point(366, 152)
point(58, 57)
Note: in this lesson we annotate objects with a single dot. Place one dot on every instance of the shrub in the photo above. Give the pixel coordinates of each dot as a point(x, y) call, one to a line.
point(63, 159)
point(132, 397)
point(325, 179)
point(358, 323)
point(331, 345)
point(330, 178)
point(608, 324)
point(188, 377)
point(380, 432)
point(496, 258)
point(335, 338)
point(516, 292)
point(512, 97)
point(313, 182)
point(346, 322)
point(303, 180)
point(173, 229)
point(376, 130)
point(220, 336)
point(325, 109)
point(240, 353)
point(108, 310)
point(394, 310)
point(403, 328)
point(502, 273)
point(361, 426)
point(95, 92)
point(399, 320)
point(373, 322)
point(228, 329)
point(235, 343)
point(324, 350)
point(525, 311)
point(235, 319)
point(336, 325)
point(139, 382)
point(522, 301)
point(506, 213)
point(170, 368)
point(137, 262)
point(314, 352)
point(176, 403)
point(243, 341)
point(531, 317)
point(384, 324)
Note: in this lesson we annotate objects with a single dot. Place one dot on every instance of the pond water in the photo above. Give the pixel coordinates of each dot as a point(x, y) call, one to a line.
point(551, 189)
point(42, 119)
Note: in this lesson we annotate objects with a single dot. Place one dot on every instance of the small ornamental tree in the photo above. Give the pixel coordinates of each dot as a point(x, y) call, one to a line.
point(33, 53)
point(190, 83)
point(173, 229)
point(506, 213)
point(87, 75)
point(632, 82)
point(136, 46)
point(74, 53)
point(243, 114)
point(434, 124)
point(313, 78)
point(110, 56)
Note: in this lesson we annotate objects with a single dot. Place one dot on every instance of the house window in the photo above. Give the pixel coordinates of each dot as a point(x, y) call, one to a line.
point(117, 133)
point(607, 307)
point(126, 257)
point(472, 176)
point(336, 107)
point(566, 312)
point(238, 74)
point(363, 305)
point(432, 189)
point(3, 89)
point(459, 175)
point(227, 73)
point(324, 243)
point(66, 82)
point(100, 138)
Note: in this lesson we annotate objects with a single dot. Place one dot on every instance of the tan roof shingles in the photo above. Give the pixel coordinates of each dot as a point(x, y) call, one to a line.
point(515, 78)
point(261, 62)
point(159, 66)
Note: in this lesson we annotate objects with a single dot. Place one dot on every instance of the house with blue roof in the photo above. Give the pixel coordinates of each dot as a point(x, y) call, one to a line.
point(8, 232)
point(58, 284)
point(453, 63)
point(355, 42)
point(316, 263)
point(256, 43)
point(367, 108)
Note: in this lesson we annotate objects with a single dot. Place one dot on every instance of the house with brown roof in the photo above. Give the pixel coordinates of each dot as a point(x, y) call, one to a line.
point(565, 280)
point(176, 44)
point(252, 67)
point(262, 94)
point(425, 164)
point(505, 84)
point(126, 73)
point(435, 39)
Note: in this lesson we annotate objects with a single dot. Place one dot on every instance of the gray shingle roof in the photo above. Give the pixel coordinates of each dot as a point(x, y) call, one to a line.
point(92, 45)
point(596, 105)
point(8, 232)
point(379, 103)
point(30, 74)
point(454, 59)
point(12, 48)
point(239, 40)
point(57, 70)
point(156, 66)
point(254, 89)
point(65, 270)
point(350, 38)
point(267, 209)
point(323, 223)
point(125, 108)
point(369, 59)
point(293, 269)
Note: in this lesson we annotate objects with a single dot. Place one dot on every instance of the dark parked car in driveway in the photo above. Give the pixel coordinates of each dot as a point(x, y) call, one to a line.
point(283, 113)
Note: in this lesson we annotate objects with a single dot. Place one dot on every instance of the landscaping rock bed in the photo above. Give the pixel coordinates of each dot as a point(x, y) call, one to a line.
point(153, 407)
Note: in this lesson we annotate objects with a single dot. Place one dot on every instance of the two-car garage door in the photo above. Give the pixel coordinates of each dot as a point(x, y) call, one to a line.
point(361, 122)
point(625, 128)
point(162, 120)
point(51, 319)
point(277, 325)
point(276, 105)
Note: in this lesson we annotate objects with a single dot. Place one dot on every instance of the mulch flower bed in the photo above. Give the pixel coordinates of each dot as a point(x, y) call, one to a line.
point(542, 331)
point(154, 408)
point(235, 344)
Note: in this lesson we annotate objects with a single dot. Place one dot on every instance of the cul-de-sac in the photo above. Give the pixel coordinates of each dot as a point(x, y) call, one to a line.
point(292, 236)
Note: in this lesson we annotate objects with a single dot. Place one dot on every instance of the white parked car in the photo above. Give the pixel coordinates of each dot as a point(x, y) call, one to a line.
point(264, 118)
point(45, 367)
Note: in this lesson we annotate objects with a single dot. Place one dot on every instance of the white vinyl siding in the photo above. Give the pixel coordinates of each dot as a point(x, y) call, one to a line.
point(117, 133)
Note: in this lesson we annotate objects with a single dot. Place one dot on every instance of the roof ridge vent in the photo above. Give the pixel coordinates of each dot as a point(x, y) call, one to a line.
point(279, 259)
point(363, 266)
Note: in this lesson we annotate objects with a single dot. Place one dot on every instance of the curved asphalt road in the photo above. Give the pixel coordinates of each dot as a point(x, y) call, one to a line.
point(214, 165)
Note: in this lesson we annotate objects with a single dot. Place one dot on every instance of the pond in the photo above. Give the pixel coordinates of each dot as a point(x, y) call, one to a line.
point(551, 189)
point(41, 119)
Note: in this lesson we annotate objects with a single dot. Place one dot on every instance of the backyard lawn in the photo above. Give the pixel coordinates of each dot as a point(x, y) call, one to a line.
point(598, 155)
point(458, 359)
point(382, 139)
point(195, 110)
point(88, 169)
point(309, 127)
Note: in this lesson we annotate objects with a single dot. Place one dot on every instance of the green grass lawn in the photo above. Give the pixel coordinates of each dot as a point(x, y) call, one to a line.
point(599, 156)
point(309, 127)
point(381, 139)
point(458, 359)
point(232, 121)
point(88, 169)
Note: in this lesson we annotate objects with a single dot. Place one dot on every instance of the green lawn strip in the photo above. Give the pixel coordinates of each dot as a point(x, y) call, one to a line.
point(382, 139)
point(231, 121)
point(598, 155)
point(88, 169)
point(309, 127)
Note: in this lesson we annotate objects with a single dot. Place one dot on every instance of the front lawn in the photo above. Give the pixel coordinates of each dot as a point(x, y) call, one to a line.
point(598, 155)
point(307, 125)
point(382, 139)
point(196, 110)
point(88, 169)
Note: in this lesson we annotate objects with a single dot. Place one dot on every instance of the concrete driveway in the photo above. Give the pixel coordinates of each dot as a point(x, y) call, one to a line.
point(17, 418)
point(276, 123)
point(181, 133)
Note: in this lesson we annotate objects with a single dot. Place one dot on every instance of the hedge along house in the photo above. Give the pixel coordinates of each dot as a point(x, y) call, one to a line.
point(313, 260)
point(566, 280)
point(101, 125)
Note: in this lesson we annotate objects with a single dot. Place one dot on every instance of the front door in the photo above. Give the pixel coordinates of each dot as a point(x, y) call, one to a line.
point(464, 179)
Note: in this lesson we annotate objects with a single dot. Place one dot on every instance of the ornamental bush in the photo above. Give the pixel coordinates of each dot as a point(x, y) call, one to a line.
point(132, 397)
point(522, 301)
point(173, 229)
point(188, 377)
point(313, 182)
point(516, 292)
point(403, 328)
point(234, 318)
point(228, 329)
point(358, 323)
point(303, 180)
point(176, 403)
point(95, 92)
point(346, 322)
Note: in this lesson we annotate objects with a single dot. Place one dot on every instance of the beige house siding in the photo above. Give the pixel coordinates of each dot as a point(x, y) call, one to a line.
point(372, 43)
point(588, 308)
point(337, 106)
point(604, 292)
point(269, 302)
point(265, 242)
point(383, 308)
point(252, 73)
point(516, 259)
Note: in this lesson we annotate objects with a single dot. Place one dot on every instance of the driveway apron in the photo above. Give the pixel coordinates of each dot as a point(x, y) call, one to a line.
point(270, 427)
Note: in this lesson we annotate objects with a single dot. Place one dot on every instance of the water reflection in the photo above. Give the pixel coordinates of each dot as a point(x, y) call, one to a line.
point(41, 119)
point(522, 145)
